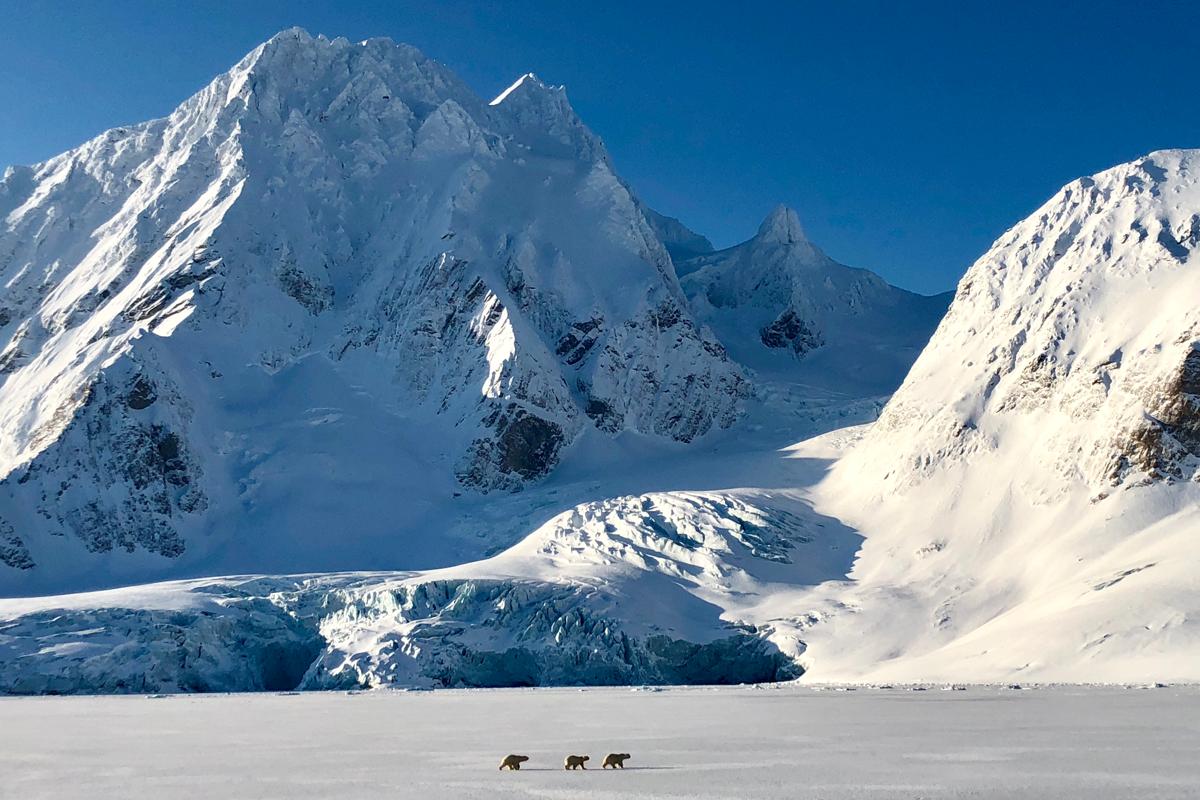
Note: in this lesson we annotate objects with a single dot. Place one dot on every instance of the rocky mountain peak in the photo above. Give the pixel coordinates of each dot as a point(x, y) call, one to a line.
point(472, 284)
point(782, 226)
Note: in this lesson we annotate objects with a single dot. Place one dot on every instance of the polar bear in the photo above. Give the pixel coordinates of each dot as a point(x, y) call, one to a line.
point(614, 760)
point(575, 762)
point(513, 762)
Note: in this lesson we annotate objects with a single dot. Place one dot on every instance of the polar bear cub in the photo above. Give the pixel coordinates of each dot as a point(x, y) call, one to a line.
point(614, 760)
point(513, 762)
point(575, 762)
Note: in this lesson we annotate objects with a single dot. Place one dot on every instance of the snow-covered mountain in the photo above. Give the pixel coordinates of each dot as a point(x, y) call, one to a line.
point(782, 306)
point(419, 369)
point(334, 266)
point(1023, 510)
point(1030, 494)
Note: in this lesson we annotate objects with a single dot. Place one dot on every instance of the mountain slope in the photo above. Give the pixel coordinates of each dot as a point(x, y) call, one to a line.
point(681, 241)
point(1029, 496)
point(783, 307)
point(434, 292)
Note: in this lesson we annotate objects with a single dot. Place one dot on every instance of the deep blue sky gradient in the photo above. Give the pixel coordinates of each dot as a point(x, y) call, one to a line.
point(907, 135)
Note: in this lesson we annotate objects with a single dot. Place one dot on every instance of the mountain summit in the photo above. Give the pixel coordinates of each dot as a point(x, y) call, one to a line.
point(335, 267)
point(782, 225)
point(779, 303)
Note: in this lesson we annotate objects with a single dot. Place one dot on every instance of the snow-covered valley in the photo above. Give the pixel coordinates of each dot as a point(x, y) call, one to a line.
point(690, 580)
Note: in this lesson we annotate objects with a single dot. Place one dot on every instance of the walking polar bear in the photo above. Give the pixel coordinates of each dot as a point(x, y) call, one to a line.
point(575, 762)
point(513, 762)
point(614, 760)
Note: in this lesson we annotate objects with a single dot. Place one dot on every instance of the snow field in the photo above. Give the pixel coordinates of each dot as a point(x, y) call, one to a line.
point(983, 742)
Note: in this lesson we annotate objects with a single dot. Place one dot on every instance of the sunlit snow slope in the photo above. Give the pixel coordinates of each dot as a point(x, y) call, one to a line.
point(330, 313)
point(1029, 496)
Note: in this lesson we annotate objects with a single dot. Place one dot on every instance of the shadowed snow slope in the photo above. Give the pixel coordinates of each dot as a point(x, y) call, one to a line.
point(1029, 495)
point(681, 242)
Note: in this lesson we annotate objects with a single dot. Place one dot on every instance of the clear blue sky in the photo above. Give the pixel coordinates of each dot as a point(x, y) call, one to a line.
point(907, 135)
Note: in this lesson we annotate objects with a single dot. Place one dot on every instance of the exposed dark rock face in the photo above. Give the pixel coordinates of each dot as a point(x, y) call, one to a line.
point(142, 393)
point(13, 551)
point(309, 292)
point(666, 315)
point(607, 418)
point(151, 304)
point(525, 446)
point(529, 446)
point(575, 345)
point(1179, 409)
point(13, 356)
point(117, 436)
point(792, 332)
point(1166, 442)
